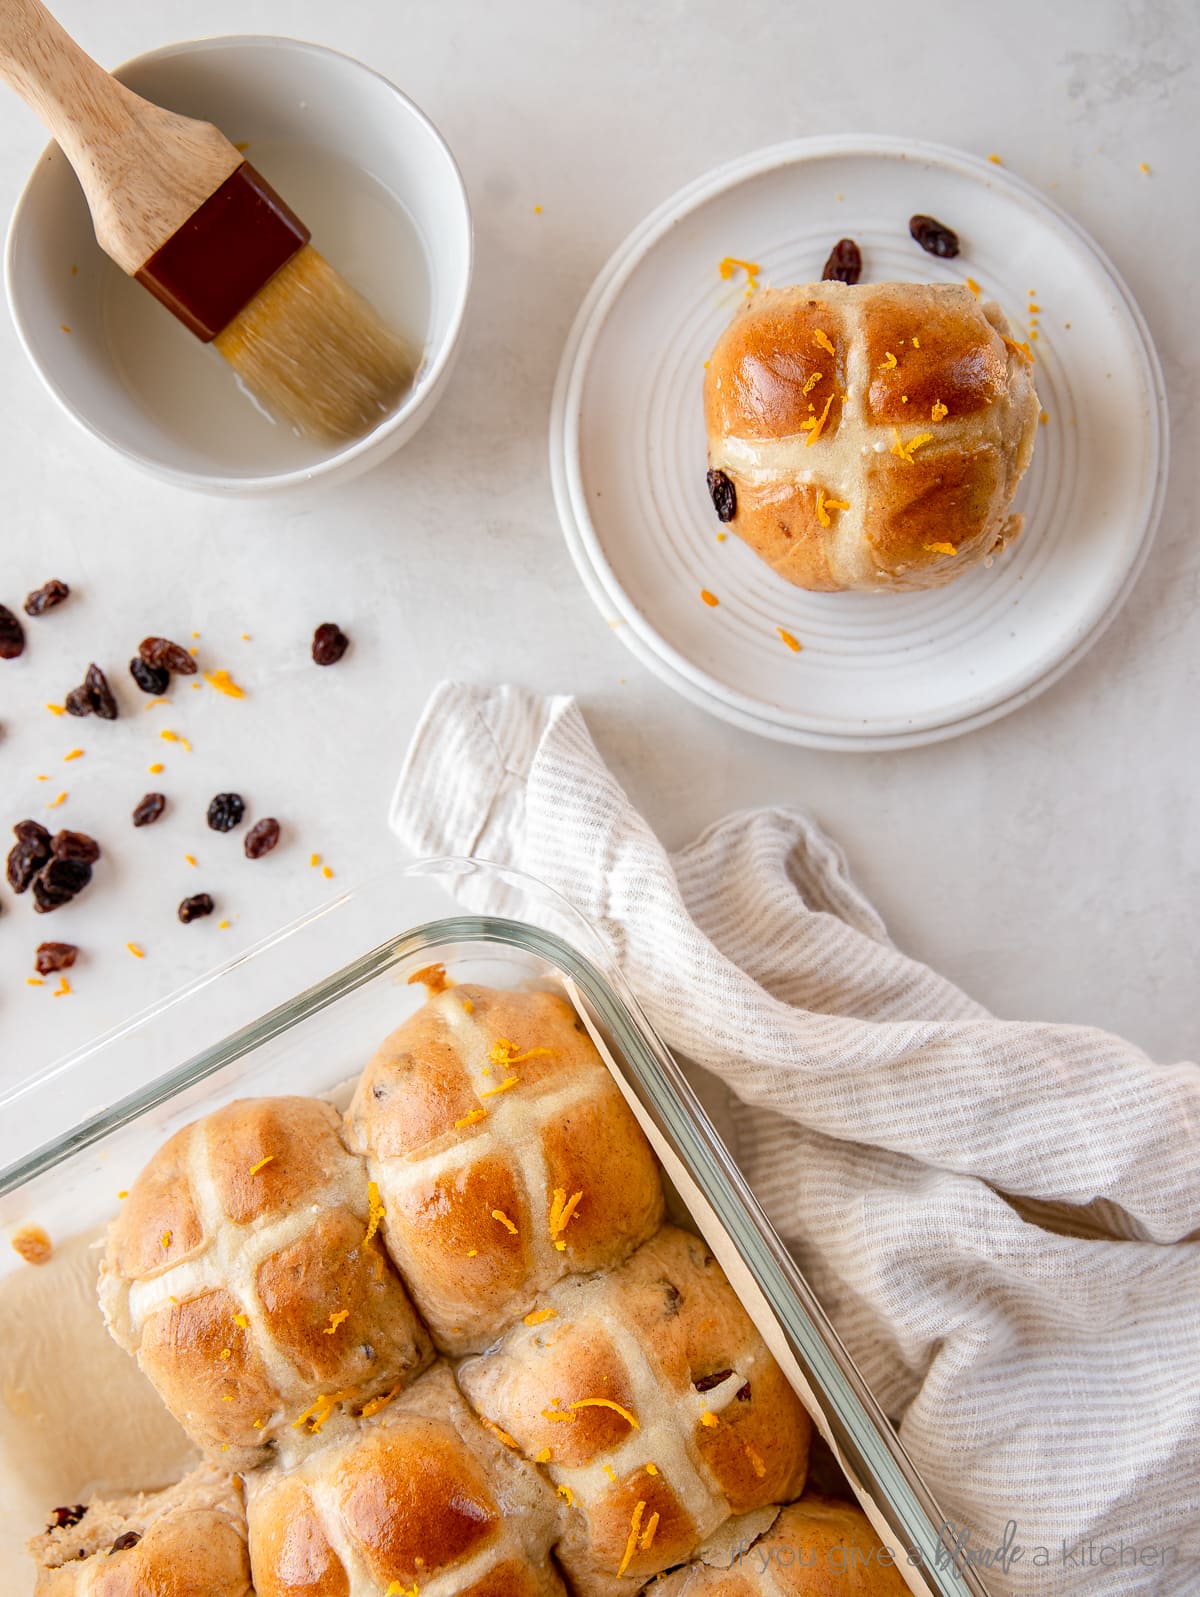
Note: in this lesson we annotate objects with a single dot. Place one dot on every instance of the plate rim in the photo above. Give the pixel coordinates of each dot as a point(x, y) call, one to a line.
point(601, 583)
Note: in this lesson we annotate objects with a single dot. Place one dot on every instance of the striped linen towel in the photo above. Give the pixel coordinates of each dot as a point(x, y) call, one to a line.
point(1001, 1218)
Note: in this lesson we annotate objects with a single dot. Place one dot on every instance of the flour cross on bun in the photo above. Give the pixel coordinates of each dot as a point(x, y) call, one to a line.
point(505, 1155)
point(246, 1274)
point(421, 1500)
point(654, 1405)
point(869, 436)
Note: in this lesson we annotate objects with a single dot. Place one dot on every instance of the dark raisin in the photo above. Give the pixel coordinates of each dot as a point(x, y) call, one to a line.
point(75, 845)
point(723, 495)
point(62, 1517)
point(262, 837)
point(78, 701)
point(123, 1543)
point(165, 655)
point(153, 679)
point(934, 237)
point(844, 264)
point(46, 598)
point(27, 855)
point(103, 702)
point(226, 811)
point(149, 809)
point(58, 882)
point(52, 957)
point(705, 1383)
point(329, 643)
point(12, 635)
point(671, 1293)
point(743, 1393)
point(368, 1352)
point(378, 1091)
point(193, 908)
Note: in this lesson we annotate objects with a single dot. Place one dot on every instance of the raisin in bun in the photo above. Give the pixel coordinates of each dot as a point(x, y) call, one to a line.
point(505, 1156)
point(189, 1541)
point(420, 1499)
point(245, 1273)
point(869, 436)
point(816, 1548)
point(653, 1404)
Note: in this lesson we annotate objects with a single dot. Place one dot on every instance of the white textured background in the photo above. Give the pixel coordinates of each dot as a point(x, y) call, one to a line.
point(1050, 863)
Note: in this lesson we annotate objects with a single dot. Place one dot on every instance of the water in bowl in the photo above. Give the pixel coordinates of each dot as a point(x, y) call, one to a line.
point(365, 232)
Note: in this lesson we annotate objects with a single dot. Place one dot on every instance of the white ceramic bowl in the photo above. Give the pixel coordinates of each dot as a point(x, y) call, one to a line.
point(275, 94)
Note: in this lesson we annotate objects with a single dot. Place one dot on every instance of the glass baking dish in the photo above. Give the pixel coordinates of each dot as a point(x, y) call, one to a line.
point(76, 1416)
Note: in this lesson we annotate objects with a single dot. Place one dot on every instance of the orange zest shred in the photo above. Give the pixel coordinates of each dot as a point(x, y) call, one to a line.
point(223, 683)
point(710, 1420)
point(471, 1119)
point(327, 872)
point(504, 1052)
point(57, 709)
point(756, 1462)
point(995, 160)
point(335, 1319)
point(472, 1253)
point(34, 981)
point(157, 768)
point(381, 1402)
point(562, 1210)
point(540, 1316)
point(262, 1163)
point(651, 1469)
point(54, 804)
point(1021, 349)
point(499, 1215)
point(821, 339)
point(376, 1210)
point(135, 951)
point(942, 548)
point(226, 1354)
point(904, 450)
point(543, 1457)
point(397, 1590)
point(635, 1530)
point(647, 1540)
point(173, 737)
point(815, 424)
point(190, 858)
point(165, 1239)
point(1044, 417)
point(812, 382)
point(610, 1472)
point(606, 1402)
point(75, 754)
point(260, 1425)
point(939, 411)
point(565, 1491)
point(824, 506)
point(710, 599)
point(124, 1193)
point(468, 1006)
point(503, 1436)
point(315, 859)
point(889, 362)
point(242, 1321)
point(432, 977)
point(973, 286)
point(916, 342)
point(63, 988)
point(558, 1413)
point(731, 264)
point(316, 1414)
point(505, 1085)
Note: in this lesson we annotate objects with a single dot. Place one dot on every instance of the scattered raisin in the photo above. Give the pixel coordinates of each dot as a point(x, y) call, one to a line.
point(706, 1382)
point(723, 495)
point(329, 643)
point(27, 855)
point(122, 1544)
point(149, 809)
point(226, 811)
point(743, 1393)
point(75, 845)
point(93, 696)
point(60, 1518)
point(43, 599)
point(262, 837)
point(934, 237)
point(12, 635)
point(165, 655)
point(152, 679)
point(52, 957)
point(844, 264)
point(671, 1294)
point(193, 908)
point(58, 882)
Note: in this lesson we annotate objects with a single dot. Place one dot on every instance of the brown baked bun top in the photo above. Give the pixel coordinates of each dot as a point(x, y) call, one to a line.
point(188, 1541)
point(421, 1498)
point(817, 1547)
point(505, 1155)
point(652, 1402)
point(245, 1272)
point(872, 435)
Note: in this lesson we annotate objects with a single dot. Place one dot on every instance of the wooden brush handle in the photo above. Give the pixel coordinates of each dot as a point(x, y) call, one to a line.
point(144, 170)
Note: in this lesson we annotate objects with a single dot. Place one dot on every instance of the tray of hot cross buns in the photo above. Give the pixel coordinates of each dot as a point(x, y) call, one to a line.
point(433, 1280)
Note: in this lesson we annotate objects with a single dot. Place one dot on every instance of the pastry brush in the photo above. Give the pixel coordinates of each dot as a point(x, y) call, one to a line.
point(178, 207)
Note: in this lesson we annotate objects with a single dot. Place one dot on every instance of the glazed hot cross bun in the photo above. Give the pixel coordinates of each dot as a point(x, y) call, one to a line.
point(869, 436)
point(653, 1403)
point(420, 1500)
point(817, 1547)
point(246, 1274)
point(505, 1155)
point(188, 1541)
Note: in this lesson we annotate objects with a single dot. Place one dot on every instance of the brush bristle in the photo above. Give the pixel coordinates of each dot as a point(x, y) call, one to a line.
point(315, 354)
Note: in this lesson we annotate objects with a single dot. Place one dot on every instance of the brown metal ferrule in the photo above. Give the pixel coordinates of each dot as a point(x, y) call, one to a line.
point(224, 253)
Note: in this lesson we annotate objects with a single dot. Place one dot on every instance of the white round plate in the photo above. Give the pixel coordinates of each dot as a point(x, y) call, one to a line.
point(627, 450)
